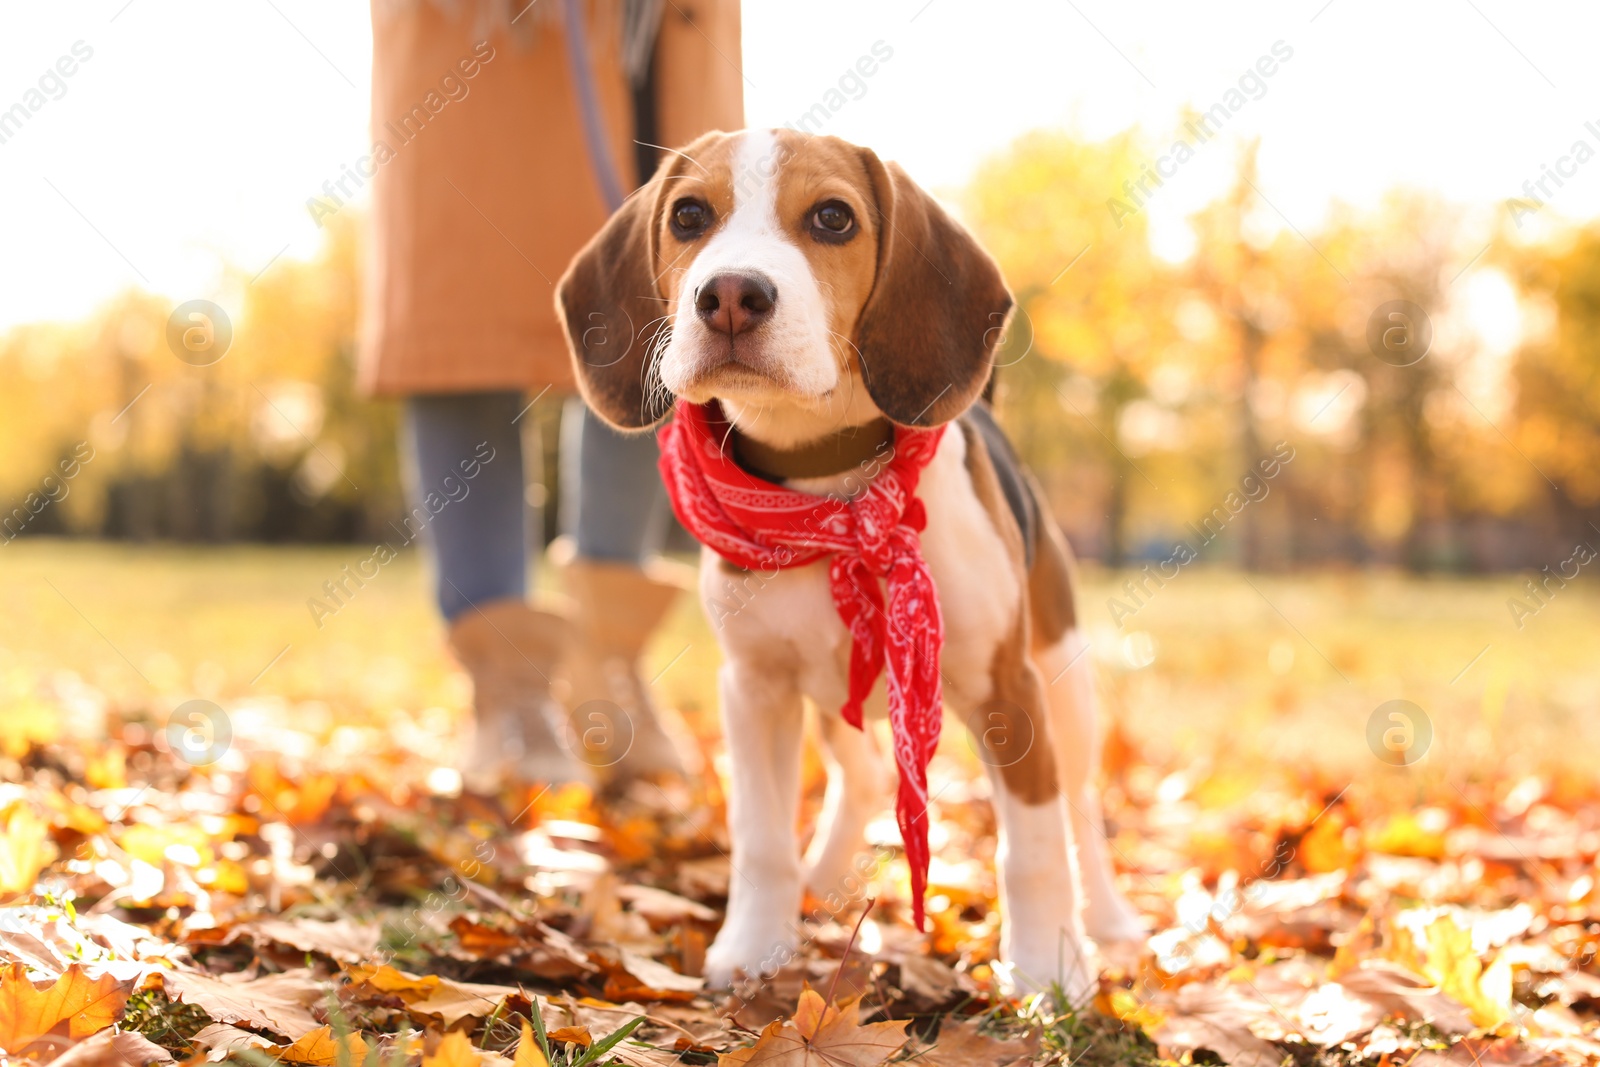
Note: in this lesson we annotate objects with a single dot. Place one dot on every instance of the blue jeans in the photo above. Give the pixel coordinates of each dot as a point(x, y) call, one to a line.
point(613, 502)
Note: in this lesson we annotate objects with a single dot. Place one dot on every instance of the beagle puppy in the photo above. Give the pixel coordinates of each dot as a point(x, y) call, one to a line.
point(823, 299)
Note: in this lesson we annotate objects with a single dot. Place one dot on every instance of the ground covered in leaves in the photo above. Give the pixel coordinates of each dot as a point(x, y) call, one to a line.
point(323, 893)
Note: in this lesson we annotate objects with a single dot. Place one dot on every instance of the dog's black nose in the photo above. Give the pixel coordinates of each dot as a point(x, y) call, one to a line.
point(734, 303)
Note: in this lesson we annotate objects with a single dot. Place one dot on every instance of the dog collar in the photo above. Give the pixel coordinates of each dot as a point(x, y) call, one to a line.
point(843, 450)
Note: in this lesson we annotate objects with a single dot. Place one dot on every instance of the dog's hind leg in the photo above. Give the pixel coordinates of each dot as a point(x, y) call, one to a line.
point(857, 788)
point(1069, 678)
point(1041, 933)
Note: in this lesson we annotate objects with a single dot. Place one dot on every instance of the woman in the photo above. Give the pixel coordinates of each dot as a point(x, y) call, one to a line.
point(505, 132)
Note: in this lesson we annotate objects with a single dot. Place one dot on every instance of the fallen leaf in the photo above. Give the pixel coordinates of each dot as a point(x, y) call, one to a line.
point(451, 1002)
point(929, 985)
point(1446, 957)
point(317, 1049)
point(821, 1035)
point(25, 850)
point(1331, 1015)
point(636, 977)
point(1125, 1005)
point(114, 1048)
point(1397, 991)
point(529, 1054)
point(389, 980)
point(1492, 1052)
point(455, 1050)
point(341, 939)
point(661, 907)
point(1216, 1017)
point(961, 1045)
point(82, 1004)
point(222, 1040)
point(1324, 849)
point(281, 1003)
point(1405, 835)
point(571, 1035)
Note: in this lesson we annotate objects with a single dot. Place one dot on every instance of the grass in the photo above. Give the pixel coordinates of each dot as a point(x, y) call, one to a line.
point(1216, 667)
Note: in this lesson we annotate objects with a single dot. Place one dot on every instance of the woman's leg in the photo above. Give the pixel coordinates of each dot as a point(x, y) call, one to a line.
point(479, 542)
point(614, 503)
point(465, 485)
point(616, 511)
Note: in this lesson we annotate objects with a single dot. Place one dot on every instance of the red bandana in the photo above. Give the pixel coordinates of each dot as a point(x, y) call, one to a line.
point(874, 535)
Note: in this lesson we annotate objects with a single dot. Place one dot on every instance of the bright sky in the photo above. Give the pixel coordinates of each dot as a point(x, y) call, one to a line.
point(196, 129)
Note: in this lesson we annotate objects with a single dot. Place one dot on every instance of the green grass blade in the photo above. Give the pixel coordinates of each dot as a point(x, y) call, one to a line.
point(607, 1043)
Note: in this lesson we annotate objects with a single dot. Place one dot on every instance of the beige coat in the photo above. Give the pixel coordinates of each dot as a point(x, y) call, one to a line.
point(483, 188)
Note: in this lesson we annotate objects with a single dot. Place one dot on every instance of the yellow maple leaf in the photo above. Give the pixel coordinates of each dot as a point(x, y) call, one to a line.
point(1448, 961)
point(86, 1005)
point(25, 850)
point(454, 1051)
point(316, 1049)
point(1123, 1004)
point(529, 1054)
point(1444, 956)
point(821, 1035)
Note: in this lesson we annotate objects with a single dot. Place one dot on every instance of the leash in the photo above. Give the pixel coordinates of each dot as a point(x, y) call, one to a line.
point(644, 21)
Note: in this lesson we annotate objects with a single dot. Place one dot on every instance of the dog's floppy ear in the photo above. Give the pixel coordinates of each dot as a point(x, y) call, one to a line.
point(937, 310)
point(612, 309)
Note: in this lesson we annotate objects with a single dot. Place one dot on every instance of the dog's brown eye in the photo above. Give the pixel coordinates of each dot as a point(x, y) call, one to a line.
point(833, 220)
point(689, 218)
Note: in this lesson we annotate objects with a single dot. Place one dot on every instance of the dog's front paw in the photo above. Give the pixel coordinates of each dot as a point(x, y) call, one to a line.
point(746, 952)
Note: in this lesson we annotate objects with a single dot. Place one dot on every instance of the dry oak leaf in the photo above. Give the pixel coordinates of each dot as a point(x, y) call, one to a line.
point(662, 908)
point(281, 1003)
point(386, 979)
point(1216, 1017)
point(341, 939)
point(429, 998)
point(571, 1035)
point(821, 1035)
point(960, 1045)
point(631, 976)
point(454, 1001)
point(114, 1048)
point(1395, 990)
point(221, 1040)
point(85, 1005)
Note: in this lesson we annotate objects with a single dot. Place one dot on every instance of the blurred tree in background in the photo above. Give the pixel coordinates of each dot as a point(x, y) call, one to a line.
point(1094, 320)
point(1558, 375)
point(270, 443)
point(1145, 392)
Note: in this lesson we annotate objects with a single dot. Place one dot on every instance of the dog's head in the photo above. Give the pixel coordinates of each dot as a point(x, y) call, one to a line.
point(770, 267)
